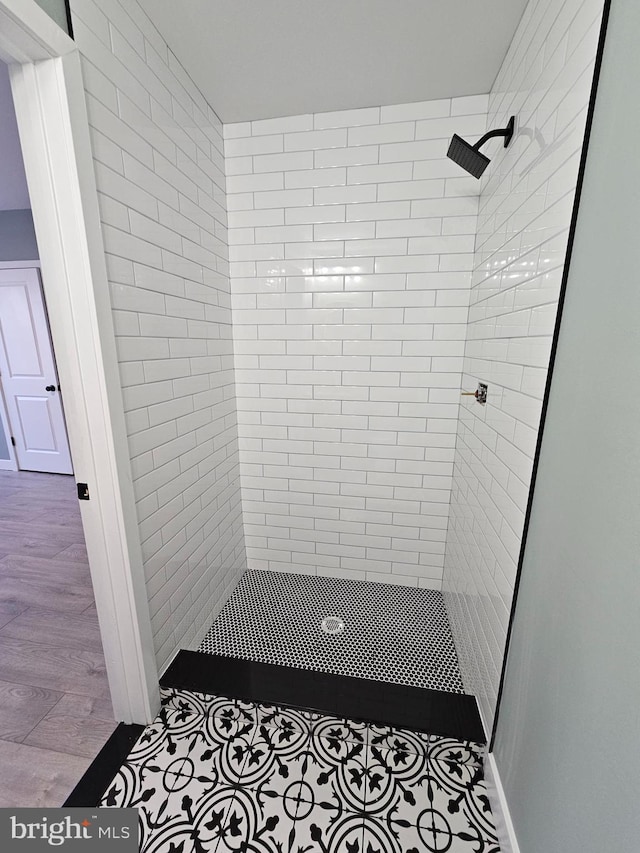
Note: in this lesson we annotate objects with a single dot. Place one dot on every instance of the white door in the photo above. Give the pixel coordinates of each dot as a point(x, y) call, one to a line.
point(28, 374)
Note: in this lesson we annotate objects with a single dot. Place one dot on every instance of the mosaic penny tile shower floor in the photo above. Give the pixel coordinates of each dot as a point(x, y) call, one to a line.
point(212, 775)
point(382, 632)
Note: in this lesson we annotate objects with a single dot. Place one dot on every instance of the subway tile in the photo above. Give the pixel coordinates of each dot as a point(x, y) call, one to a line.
point(400, 373)
point(362, 282)
point(469, 105)
point(412, 264)
point(436, 168)
point(343, 266)
point(288, 124)
point(382, 133)
point(247, 146)
point(409, 227)
point(124, 190)
point(256, 218)
point(378, 210)
point(282, 162)
point(255, 183)
point(316, 178)
point(461, 206)
point(300, 215)
point(347, 118)
point(320, 250)
point(345, 195)
point(371, 247)
point(239, 166)
point(315, 139)
point(344, 231)
point(283, 233)
point(426, 149)
point(156, 191)
point(380, 173)
point(283, 198)
point(465, 126)
point(411, 190)
point(442, 245)
point(235, 129)
point(419, 110)
point(361, 156)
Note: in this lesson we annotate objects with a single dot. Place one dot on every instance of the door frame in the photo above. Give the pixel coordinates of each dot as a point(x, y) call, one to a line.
point(48, 91)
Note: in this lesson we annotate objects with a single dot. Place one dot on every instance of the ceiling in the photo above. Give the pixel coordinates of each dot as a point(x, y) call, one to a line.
point(257, 59)
point(13, 183)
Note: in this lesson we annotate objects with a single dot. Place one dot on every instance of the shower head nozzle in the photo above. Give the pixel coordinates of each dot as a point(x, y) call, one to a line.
point(470, 157)
point(465, 155)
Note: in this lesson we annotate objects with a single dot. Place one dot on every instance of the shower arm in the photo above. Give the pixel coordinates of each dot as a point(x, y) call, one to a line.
point(507, 132)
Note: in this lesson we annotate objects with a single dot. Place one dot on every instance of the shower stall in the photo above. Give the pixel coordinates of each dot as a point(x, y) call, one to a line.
point(374, 284)
point(334, 346)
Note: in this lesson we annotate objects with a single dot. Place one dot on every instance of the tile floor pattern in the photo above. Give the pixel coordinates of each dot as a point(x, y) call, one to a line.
point(391, 633)
point(212, 775)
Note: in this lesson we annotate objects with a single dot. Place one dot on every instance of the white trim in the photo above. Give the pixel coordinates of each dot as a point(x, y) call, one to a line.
point(485, 728)
point(28, 34)
point(53, 125)
point(499, 806)
point(19, 265)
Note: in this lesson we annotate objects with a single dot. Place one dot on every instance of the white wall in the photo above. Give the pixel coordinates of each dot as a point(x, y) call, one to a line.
point(14, 194)
point(17, 236)
point(57, 10)
point(159, 167)
point(567, 745)
point(351, 241)
point(525, 209)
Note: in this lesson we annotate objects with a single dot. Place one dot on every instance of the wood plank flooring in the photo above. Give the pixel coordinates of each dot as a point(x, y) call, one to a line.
point(55, 711)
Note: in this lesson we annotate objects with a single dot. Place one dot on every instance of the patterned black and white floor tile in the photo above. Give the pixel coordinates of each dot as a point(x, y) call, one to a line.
point(212, 775)
point(385, 632)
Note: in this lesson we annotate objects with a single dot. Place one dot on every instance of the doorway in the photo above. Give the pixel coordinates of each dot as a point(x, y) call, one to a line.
point(55, 709)
point(30, 385)
point(48, 92)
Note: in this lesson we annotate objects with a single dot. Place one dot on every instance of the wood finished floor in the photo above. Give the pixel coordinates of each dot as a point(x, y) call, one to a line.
point(55, 711)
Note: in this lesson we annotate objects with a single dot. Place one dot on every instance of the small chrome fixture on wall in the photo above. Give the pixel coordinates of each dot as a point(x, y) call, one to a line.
point(469, 156)
point(480, 393)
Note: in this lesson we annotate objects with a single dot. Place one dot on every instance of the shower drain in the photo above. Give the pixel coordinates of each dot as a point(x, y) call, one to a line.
point(332, 625)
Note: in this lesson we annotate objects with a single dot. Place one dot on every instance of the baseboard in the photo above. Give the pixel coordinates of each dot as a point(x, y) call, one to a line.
point(499, 807)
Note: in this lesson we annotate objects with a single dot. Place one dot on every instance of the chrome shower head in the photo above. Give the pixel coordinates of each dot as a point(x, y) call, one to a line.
point(470, 157)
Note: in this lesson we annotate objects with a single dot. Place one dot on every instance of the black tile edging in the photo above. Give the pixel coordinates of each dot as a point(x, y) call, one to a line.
point(90, 789)
point(434, 711)
point(584, 151)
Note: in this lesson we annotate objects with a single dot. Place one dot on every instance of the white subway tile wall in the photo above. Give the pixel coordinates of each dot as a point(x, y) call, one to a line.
point(525, 210)
point(351, 246)
point(159, 164)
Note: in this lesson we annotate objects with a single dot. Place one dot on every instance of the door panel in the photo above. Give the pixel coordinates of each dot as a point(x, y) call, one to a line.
point(18, 332)
point(27, 366)
point(35, 422)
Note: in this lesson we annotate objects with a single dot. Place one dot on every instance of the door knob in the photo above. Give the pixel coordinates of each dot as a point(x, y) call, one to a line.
point(50, 388)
